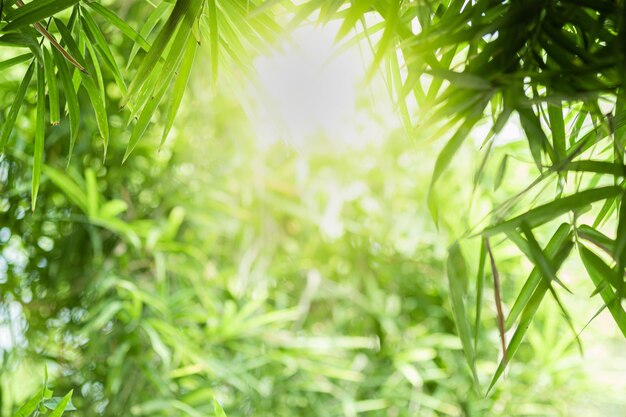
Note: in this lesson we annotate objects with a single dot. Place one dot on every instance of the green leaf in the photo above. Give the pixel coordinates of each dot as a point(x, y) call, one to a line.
point(91, 190)
point(527, 316)
point(500, 173)
point(543, 214)
point(100, 44)
point(40, 129)
point(557, 127)
point(31, 405)
point(537, 140)
point(597, 238)
point(60, 409)
point(68, 186)
point(215, 37)
point(480, 285)
point(554, 246)
point(7, 128)
point(96, 97)
point(457, 282)
point(147, 28)
point(120, 24)
point(597, 167)
point(619, 253)
point(53, 403)
point(172, 62)
point(71, 99)
point(180, 85)
point(35, 11)
point(4, 65)
point(53, 90)
point(450, 149)
point(461, 79)
point(539, 259)
point(600, 272)
point(158, 46)
point(218, 410)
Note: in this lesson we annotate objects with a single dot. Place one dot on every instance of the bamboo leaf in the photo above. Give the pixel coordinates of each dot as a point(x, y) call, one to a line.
point(215, 36)
point(31, 405)
point(218, 410)
point(538, 257)
point(557, 127)
point(124, 27)
point(96, 97)
point(599, 272)
point(554, 209)
point(35, 11)
point(480, 284)
point(53, 90)
point(498, 299)
point(457, 282)
point(554, 246)
point(500, 173)
point(7, 128)
point(158, 46)
point(450, 149)
point(71, 99)
point(180, 85)
point(526, 319)
point(60, 409)
point(172, 62)
point(152, 20)
point(40, 128)
point(619, 253)
point(6, 64)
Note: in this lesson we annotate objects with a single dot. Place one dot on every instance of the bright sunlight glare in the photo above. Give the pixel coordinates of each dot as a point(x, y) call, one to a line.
point(311, 89)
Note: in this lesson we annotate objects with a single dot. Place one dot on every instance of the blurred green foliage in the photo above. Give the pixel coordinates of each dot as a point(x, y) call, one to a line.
point(217, 271)
point(277, 282)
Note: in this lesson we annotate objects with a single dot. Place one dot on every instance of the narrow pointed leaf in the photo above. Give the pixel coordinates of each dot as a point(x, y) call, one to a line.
point(599, 272)
point(552, 248)
point(539, 259)
point(215, 37)
point(7, 127)
point(60, 409)
point(180, 85)
point(40, 128)
point(124, 27)
point(35, 11)
point(71, 99)
point(544, 213)
point(6, 64)
point(53, 90)
point(457, 282)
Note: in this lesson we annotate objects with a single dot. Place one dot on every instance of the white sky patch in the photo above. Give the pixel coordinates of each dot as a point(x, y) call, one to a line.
point(309, 90)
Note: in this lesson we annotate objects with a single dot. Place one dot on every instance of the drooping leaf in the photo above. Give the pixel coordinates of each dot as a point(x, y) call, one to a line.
point(71, 99)
point(53, 91)
point(61, 407)
point(457, 282)
point(215, 37)
point(35, 11)
point(600, 272)
point(7, 127)
point(40, 129)
point(124, 27)
point(553, 247)
point(158, 47)
point(96, 96)
point(180, 85)
point(538, 257)
point(554, 209)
